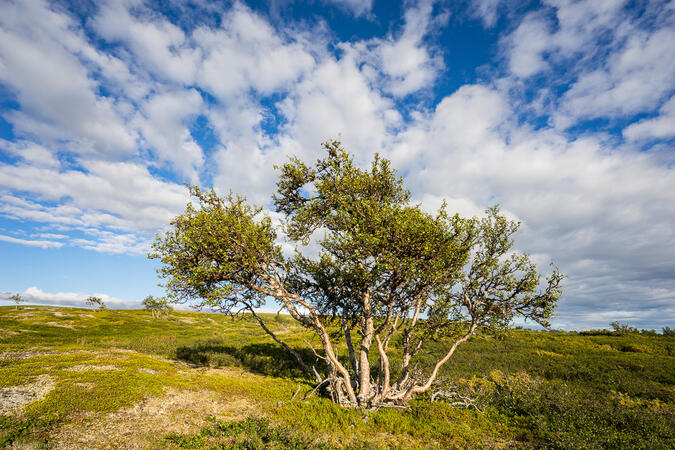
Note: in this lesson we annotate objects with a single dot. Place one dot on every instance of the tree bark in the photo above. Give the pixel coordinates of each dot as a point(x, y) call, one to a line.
point(407, 341)
point(313, 321)
point(367, 331)
point(350, 347)
point(384, 366)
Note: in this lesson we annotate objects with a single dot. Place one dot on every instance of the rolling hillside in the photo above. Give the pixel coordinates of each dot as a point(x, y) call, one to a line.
point(121, 379)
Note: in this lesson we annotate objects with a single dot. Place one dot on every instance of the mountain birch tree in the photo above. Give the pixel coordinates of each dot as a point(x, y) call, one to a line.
point(389, 278)
point(17, 299)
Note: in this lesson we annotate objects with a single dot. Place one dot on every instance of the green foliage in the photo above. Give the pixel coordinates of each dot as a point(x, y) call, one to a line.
point(94, 301)
point(17, 298)
point(217, 252)
point(553, 389)
point(157, 306)
point(623, 327)
point(250, 433)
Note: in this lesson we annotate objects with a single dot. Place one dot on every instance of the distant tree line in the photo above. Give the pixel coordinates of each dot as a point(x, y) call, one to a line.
point(619, 328)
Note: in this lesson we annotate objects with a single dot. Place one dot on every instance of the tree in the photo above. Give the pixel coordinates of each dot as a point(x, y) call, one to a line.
point(388, 276)
point(157, 306)
point(17, 298)
point(622, 327)
point(95, 301)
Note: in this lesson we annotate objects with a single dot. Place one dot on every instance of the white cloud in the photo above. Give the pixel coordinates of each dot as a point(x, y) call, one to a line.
point(113, 197)
point(404, 64)
point(336, 100)
point(35, 295)
point(406, 61)
point(575, 33)
point(577, 199)
point(52, 236)
point(357, 7)
point(608, 62)
point(30, 152)
point(527, 46)
point(247, 53)
point(634, 80)
point(486, 10)
point(113, 242)
point(163, 120)
point(58, 99)
point(30, 242)
point(660, 127)
point(157, 45)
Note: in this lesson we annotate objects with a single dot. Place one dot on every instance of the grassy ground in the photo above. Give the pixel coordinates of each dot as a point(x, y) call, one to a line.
point(86, 379)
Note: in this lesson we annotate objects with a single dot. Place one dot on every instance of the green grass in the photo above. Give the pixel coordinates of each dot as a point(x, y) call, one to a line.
point(532, 389)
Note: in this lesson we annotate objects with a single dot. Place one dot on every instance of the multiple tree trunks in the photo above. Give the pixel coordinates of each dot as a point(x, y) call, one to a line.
point(354, 387)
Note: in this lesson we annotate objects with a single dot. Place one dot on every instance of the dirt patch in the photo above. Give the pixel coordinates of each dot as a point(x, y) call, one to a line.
point(62, 325)
point(87, 368)
point(24, 355)
point(186, 320)
point(116, 355)
point(145, 424)
point(60, 314)
point(85, 385)
point(31, 354)
point(143, 369)
point(20, 315)
point(14, 398)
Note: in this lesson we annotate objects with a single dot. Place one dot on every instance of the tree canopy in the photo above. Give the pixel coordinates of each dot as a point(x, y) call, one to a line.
point(387, 276)
point(16, 298)
point(157, 306)
point(95, 301)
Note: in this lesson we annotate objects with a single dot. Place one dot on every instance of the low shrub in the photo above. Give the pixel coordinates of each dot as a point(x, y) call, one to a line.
point(250, 433)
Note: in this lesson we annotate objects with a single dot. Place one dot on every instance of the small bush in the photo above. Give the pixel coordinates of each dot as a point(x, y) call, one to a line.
point(249, 433)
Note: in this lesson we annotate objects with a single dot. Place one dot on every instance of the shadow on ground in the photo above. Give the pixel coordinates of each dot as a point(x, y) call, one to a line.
point(265, 358)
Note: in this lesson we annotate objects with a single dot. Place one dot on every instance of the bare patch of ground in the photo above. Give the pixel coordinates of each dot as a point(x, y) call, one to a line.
point(87, 367)
point(62, 325)
point(24, 355)
point(85, 385)
point(112, 352)
point(186, 320)
point(14, 398)
point(31, 354)
point(6, 333)
point(144, 425)
point(143, 369)
point(20, 315)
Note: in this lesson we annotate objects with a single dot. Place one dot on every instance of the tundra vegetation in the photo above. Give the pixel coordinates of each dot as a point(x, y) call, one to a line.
point(388, 277)
point(226, 384)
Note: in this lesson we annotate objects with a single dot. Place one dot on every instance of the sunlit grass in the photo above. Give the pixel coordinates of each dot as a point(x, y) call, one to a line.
point(532, 389)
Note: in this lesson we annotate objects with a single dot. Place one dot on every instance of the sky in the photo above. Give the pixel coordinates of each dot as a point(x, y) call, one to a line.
point(560, 111)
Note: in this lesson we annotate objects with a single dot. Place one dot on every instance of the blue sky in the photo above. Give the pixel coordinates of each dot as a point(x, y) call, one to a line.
point(560, 111)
